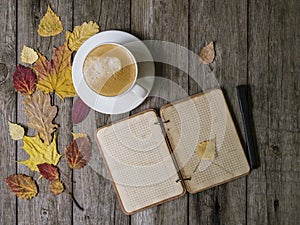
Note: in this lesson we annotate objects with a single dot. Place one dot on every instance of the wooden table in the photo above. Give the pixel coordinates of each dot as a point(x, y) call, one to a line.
point(257, 43)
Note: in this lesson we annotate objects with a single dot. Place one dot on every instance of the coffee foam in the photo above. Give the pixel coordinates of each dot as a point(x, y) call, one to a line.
point(100, 69)
point(109, 70)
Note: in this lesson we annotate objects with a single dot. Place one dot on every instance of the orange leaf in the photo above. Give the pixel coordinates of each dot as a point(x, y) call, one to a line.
point(56, 75)
point(22, 186)
point(78, 153)
point(56, 187)
point(48, 171)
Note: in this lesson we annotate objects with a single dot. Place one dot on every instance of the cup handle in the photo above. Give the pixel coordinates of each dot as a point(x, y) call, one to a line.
point(139, 91)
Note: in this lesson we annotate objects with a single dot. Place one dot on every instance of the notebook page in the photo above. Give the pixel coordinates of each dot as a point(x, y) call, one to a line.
point(139, 161)
point(204, 117)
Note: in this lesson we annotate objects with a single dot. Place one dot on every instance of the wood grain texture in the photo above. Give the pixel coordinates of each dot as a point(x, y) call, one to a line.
point(46, 208)
point(257, 42)
point(226, 25)
point(163, 21)
point(273, 62)
point(7, 109)
point(93, 187)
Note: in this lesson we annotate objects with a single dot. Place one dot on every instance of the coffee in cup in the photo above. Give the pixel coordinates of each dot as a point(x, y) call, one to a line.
point(110, 69)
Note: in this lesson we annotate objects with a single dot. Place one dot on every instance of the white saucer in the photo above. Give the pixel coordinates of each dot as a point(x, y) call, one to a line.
point(127, 101)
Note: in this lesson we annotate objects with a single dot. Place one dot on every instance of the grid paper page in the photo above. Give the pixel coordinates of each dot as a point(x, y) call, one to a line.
point(139, 161)
point(200, 118)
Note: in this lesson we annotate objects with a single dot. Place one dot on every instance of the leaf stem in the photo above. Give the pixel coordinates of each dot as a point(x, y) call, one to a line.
point(52, 94)
point(71, 192)
point(71, 181)
point(63, 173)
point(74, 200)
point(70, 188)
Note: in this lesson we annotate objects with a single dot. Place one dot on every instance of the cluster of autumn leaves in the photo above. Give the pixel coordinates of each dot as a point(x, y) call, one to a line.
point(35, 81)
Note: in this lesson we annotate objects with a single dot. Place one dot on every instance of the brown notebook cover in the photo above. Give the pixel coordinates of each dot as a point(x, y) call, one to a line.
point(148, 169)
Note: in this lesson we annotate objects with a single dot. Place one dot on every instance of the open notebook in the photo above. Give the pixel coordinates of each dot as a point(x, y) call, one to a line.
point(147, 168)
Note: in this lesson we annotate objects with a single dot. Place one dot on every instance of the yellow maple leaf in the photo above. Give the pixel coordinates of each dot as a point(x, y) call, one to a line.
point(16, 131)
point(56, 75)
point(39, 152)
point(50, 24)
point(80, 34)
point(28, 55)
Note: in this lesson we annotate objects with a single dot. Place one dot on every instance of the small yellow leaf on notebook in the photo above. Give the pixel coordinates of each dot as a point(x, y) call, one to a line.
point(28, 55)
point(207, 150)
point(207, 53)
point(50, 24)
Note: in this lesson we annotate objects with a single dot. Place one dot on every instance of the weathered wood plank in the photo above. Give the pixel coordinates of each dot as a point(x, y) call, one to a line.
point(274, 53)
point(163, 21)
point(273, 62)
point(226, 24)
point(93, 188)
point(45, 208)
point(7, 108)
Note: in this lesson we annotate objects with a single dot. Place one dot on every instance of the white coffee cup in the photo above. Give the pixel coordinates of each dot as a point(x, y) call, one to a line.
point(135, 94)
point(111, 70)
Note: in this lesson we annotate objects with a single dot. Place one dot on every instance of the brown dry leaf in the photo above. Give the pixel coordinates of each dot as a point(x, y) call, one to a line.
point(28, 55)
point(56, 75)
point(48, 171)
point(207, 53)
point(22, 186)
point(80, 34)
point(40, 114)
point(78, 153)
point(207, 150)
point(50, 24)
point(16, 131)
point(39, 152)
point(56, 187)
